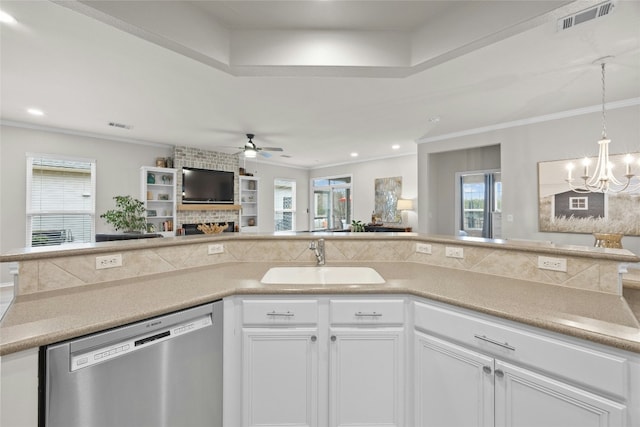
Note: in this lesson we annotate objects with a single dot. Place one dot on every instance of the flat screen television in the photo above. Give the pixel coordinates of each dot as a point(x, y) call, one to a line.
point(207, 186)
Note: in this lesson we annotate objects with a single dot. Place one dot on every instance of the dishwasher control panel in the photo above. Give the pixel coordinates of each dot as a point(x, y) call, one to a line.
point(88, 358)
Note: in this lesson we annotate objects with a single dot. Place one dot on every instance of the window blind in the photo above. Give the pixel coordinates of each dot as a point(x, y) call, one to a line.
point(60, 203)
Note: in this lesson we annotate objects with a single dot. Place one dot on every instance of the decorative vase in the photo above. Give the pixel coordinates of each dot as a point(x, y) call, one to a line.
point(608, 240)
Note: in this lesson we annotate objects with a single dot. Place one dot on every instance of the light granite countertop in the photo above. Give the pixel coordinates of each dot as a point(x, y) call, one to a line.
point(48, 317)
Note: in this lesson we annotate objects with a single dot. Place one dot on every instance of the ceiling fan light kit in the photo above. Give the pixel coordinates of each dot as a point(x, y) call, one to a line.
point(251, 151)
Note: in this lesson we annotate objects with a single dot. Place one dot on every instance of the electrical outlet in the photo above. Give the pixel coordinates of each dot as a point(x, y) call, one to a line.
point(216, 248)
point(108, 261)
point(550, 263)
point(423, 248)
point(452, 252)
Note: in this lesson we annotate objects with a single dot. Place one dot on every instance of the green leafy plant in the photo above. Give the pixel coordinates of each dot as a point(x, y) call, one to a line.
point(129, 215)
point(357, 226)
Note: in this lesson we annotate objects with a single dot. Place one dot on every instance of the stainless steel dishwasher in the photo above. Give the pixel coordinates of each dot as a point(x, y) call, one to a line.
point(166, 371)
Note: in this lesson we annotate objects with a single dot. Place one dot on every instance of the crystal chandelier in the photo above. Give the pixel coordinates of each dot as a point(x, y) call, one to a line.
point(603, 179)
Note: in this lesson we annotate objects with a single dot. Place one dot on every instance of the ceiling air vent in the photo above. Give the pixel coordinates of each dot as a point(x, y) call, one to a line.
point(120, 125)
point(598, 11)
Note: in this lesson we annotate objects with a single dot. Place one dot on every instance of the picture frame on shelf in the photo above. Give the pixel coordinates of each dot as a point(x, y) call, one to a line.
point(163, 196)
point(151, 212)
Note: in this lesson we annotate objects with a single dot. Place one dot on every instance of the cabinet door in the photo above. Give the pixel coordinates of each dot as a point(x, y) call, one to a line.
point(527, 399)
point(366, 370)
point(280, 377)
point(453, 385)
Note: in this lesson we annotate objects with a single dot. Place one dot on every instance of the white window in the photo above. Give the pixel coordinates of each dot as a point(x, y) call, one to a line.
point(579, 203)
point(284, 205)
point(60, 200)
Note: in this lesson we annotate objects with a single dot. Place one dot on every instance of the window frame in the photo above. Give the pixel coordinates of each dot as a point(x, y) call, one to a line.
point(293, 185)
point(31, 212)
point(579, 199)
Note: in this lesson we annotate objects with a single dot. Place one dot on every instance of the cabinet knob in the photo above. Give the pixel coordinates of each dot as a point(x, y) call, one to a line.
point(333, 337)
point(486, 369)
point(313, 338)
point(499, 373)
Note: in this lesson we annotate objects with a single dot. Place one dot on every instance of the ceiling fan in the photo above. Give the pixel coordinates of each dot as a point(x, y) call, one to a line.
point(250, 149)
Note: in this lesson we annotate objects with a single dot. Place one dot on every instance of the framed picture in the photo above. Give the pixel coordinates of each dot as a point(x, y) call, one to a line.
point(563, 210)
point(152, 212)
point(163, 196)
point(387, 193)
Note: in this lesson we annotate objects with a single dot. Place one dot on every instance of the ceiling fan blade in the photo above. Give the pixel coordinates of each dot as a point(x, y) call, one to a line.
point(265, 155)
point(271, 149)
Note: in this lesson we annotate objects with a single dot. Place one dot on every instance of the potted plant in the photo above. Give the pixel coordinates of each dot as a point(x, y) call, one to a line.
point(357, 226)
point(129, 215)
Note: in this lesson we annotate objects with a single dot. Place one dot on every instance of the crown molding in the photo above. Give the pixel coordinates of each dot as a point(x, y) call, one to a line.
point(538, 119)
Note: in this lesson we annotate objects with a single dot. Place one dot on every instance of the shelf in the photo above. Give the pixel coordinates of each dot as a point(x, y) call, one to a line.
point(208, 207)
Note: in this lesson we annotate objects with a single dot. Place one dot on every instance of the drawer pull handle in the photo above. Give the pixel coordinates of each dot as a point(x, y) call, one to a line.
point(333, 338)
point(498, 343)
point(314, 338)
point(371, 314)
point(486, 369)
point(275, 313)
point(499, 373)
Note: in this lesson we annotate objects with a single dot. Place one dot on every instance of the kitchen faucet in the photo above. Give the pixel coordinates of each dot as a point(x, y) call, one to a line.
point(318, 248)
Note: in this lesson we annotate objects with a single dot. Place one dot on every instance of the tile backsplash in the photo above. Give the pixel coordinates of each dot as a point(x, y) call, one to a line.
point(79, 270)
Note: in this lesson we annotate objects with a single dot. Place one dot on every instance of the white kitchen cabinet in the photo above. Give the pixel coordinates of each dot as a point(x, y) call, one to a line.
point(480, 383)
point(280, 377)
point(249, 203)
point(316, 362)
point(527, 399)
point(366, 377)
point(19, 389)
point(280, 354)
point(453, 385)
point(158, 193)
point(366, 362)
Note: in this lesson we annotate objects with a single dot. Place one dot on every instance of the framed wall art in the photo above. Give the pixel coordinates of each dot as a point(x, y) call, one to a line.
point(561, 209)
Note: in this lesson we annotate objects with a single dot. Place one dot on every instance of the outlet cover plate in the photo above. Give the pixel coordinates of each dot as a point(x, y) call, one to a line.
point(423, 248)
point(552, 263)
point(216, 248)
point(453, 252)
point(108, 261)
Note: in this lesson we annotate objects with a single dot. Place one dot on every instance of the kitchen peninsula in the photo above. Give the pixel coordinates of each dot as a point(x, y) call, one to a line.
point(578, 314)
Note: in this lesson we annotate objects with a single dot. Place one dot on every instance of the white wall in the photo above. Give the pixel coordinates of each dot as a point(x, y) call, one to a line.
point(117, 173)
point(267, 173)
point(522, 147)
point(363, 185)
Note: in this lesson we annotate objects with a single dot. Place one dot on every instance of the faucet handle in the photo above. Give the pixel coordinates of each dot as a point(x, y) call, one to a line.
point(312, 244)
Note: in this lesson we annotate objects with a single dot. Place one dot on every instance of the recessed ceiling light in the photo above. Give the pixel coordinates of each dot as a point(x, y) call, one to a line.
point(395, 146)
point(354, 154)
point(5, 18)
point(35, 112)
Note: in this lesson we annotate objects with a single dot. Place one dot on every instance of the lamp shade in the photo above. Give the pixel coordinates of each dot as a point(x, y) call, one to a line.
point(405, 205)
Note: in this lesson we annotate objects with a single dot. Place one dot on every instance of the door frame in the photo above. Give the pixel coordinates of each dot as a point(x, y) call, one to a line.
point(458, 195)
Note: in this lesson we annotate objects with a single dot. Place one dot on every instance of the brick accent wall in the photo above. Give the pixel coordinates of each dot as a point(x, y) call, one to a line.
point(203, 159)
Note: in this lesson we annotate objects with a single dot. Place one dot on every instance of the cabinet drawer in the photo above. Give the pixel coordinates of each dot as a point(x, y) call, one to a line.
point(372, 312)
point(276, 312)
point(582, 365)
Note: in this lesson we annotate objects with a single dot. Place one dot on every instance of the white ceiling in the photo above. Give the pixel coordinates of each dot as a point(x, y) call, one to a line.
point(320, 78)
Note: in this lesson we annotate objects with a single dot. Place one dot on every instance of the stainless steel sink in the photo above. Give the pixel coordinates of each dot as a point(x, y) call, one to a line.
point(322, 276)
